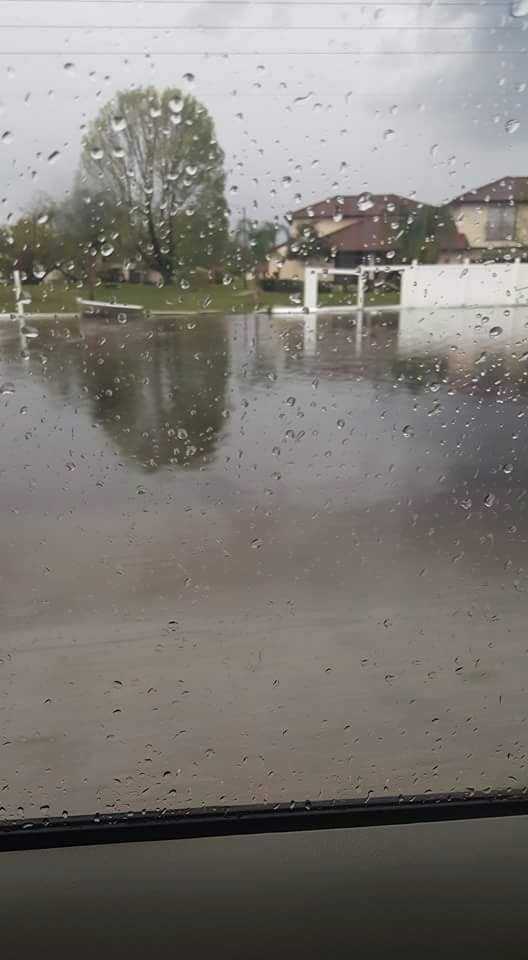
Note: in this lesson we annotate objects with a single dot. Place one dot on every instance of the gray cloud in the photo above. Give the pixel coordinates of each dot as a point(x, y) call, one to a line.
point(365, 115)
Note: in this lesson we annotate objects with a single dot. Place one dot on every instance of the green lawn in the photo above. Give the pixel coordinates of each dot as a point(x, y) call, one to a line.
point(61, 298)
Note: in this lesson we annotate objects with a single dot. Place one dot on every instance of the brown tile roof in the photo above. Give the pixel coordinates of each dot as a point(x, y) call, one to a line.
point(353, 206)
point(360, 234)
point(371, 233)
point(505, 190)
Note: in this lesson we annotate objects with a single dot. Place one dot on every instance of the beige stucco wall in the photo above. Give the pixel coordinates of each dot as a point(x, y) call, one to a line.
point(471, 220)
point(521, 231)
point(284, 267)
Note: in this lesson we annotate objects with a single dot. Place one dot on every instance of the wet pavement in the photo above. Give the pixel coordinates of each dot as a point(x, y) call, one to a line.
point(251, 559)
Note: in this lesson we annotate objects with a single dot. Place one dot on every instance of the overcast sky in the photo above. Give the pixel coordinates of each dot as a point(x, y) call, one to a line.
point(328, 97)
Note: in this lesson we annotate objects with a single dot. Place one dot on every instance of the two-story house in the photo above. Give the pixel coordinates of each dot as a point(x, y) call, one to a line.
point(494, 219)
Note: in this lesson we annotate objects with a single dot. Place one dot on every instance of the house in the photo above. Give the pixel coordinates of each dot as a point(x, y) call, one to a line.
point(494, 219)
point(347, 231)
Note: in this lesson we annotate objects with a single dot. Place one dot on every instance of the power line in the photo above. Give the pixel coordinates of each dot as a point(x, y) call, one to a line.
point(424, 4)
point(259, 53)
point(245, 27)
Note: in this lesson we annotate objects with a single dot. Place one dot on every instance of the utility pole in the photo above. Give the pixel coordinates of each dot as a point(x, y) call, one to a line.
point(245, 246)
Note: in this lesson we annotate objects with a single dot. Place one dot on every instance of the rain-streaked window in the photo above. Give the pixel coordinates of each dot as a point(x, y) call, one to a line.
point(263, 401)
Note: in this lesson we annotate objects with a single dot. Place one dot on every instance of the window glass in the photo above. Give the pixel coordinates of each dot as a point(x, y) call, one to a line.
point(501, 223)
point(263, 401)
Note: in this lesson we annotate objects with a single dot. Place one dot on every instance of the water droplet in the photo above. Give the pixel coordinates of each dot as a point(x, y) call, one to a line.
point(365, 203)
point(7, 137)
point(489, 500)
point(181, 433)
point(96, 153)
point(118, 123)
point(286, 181)
point(69, 66)
point(340, 424)
point(42, 218)
point(30, 333)
point(191, 170)
point(305, 98)
point(53, 156)
point(519, 8)
point(107, 250)
point(257, 543)
point(189, 78)
point(407, 430)
point(7, 389)
point(507, 468)
point(122, 318)
point(511, 126)
point(495, 331)
point(389, 134)
point(176, 104)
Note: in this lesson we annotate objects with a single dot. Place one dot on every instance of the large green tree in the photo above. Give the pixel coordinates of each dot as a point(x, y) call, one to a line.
point(253, 241)
point(423, 233)
point(154, 158)
point(31, 244)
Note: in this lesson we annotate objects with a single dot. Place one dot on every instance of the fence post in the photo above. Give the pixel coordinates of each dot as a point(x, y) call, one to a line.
point(361, 289)
point(311, 284)
point(18, 293)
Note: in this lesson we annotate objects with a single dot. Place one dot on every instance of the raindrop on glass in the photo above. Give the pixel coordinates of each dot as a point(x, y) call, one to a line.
point(118, 123)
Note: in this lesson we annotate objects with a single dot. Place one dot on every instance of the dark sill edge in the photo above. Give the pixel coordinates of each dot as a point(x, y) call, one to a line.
point(256, 819)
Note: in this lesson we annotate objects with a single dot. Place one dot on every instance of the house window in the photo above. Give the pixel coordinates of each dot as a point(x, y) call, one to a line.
point(500, 223)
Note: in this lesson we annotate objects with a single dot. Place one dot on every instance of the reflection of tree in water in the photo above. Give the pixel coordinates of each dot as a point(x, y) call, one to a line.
point(158, 391)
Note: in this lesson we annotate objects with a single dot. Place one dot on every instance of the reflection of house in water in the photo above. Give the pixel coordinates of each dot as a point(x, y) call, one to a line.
point(333, 346)
point(477, 351)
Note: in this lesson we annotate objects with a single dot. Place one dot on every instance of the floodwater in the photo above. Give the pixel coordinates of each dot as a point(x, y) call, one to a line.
point(252, 559)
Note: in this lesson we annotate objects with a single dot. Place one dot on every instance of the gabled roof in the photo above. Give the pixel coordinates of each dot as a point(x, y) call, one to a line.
point(505, 190)
point(360, 234)
point(354, 205)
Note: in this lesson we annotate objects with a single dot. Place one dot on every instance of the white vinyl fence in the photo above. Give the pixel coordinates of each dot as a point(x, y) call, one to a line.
point(464, 285)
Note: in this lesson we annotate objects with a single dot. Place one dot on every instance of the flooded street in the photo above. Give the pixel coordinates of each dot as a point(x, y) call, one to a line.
point(254, 559)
